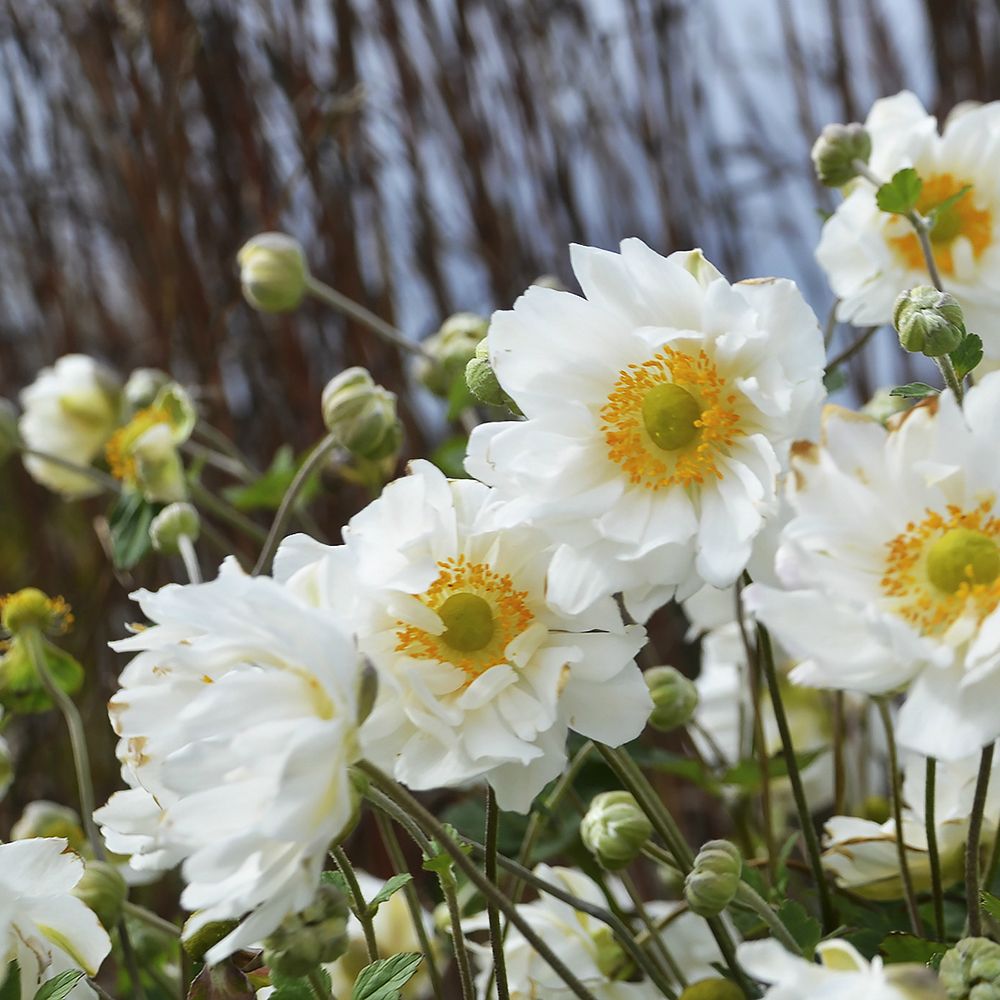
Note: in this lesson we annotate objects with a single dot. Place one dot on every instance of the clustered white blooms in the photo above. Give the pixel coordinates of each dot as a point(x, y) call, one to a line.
point(43, 927)
point(870, 256)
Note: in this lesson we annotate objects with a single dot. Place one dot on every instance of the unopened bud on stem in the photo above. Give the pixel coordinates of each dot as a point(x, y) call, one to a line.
point(674, 698)
point(615, 829)
point(273, 272)
point(713, 880)
point(928, 322)
point(835, 151)
point(361, 415)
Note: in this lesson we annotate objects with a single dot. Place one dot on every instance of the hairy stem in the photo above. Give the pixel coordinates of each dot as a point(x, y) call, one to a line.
point(972, 888)
point(932, 846)
point(360, 907)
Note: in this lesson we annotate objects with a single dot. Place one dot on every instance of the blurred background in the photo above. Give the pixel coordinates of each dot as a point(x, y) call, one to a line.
point(432, 156)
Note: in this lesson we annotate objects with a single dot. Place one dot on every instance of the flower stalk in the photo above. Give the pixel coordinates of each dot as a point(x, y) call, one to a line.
point(972, 887)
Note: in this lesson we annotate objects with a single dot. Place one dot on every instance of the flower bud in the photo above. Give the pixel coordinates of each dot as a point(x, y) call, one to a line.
point(713, 989)
point(361, 414)
point(10, 438)
point(199, 939)
point(448, 351)
point(175, 521)
point(836, 149)
point(971, 970)
point(273, 272)
point(142, 388)
point(103, 889)
point(49, 819)
point(316, 935)
point(615, 829)
point(712, 883)
point(674, 698)
point(483, 382)
point(928, 322)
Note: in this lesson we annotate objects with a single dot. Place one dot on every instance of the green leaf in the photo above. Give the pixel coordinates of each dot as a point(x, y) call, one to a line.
point(806, 930)
point(990, 904)
point(335, 878)
point(58, 987)
point(900, 947)
point(967, 355)
point(746, 774)
point(293, 988)
point(449, 456)
point(943, 206)
point(392, 886)
point(384, 979)
point(899, 195)
point(128, 523)
point(440, 861)
point(267, 492)
point(459, 396)
point(913, 390)
point(11, 988)
point(21, 689)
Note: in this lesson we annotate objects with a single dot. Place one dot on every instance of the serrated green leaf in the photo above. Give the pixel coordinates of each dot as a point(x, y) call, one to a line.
point(899, 195)
point(392, 886)
point(267, 492)
point(900, 947)
point(806, 930)
point(58, 987)
point(913, 390)
point(128, 525)
point(384, 979)
point(335, 878)
point(294, 988)
point(991, 904)
point(967, 355)
point(11, 987)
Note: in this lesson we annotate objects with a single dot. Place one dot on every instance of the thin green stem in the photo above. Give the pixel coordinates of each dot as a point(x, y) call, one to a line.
point(950, 376)
point(839, 762)
point(896, 787)
point(856, 345)
point(766, 656)
point(234, 518)
point(449, 889)
point(398, 859)
point(318, 985)
point(750, 898)
point(932, 845)
point(190, 558)
point(655, 939)
point(313, 461)
point(358, 904)
point(154, 920)
point(972, 887)
point(343, 304)
point(499, 971)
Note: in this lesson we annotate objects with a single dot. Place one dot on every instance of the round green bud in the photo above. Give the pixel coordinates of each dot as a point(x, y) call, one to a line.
point(674, 698)
point(713, 989)
point(876, 808)
point(928, 322)
point(49, 819)
point(198, 941)
point(316, 935)
point(835, 151)
point(362, 415)
point(175, 521)
point(103, 889)
point(10, 438)
point(615, 829)
point(273, 272)
point(971, 970)
point(713, 880)
point(142, 388)
point(447, 352)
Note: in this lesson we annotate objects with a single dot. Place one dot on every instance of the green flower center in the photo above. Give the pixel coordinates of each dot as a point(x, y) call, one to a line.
point(468, 622)
point(670, 415)
point(962, 556)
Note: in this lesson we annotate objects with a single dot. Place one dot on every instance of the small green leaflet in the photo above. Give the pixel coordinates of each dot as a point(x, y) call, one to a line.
point(128, 523)
point(267, 492)
point(898, 947)
point(335, 878)
point(967, 355)
point(383, 980)
point(942, 206)
point(391, 887)
point(804, 928)
point(899, 195)
point(292, 988)
point(58, 987)
point(991, 904)
point(914, 390)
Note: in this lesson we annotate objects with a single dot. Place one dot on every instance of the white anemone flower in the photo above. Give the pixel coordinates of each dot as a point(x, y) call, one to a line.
point(43, 926)
point(237, 720)
point(870, 256)
point(862, 855)
point(844, 974)
point(70, 411)
point(480, 675)
point(892, 568)
point(660, 408)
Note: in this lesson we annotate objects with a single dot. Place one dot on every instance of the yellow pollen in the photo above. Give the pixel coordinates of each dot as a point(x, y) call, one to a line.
point(959, 219)
point(667, 420)
point(481, 612)
point(944, 567)
point(118, 450)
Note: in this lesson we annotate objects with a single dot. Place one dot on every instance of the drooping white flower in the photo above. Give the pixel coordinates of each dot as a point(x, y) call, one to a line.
point(659, 408)
point(43, 927)
point(870, 256)
point(862, 855)
point(892, 567)
point(843, 975)
point(237, 720)
point(70, 411)
point(480, 675)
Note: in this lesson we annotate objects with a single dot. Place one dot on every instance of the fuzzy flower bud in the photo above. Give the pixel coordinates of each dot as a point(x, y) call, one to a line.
point(361, 415)
point(713, 989)
point(674, 698)
point(42, 818)
point(615, 829)
point(103, 889)
point(273, 272)
point(316, 935)
point(449, 351)
point(971, 970)
point(483, 382)
point(928, 322)
point(712, 883)
point(836, 149)
point(175, 521)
